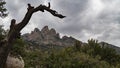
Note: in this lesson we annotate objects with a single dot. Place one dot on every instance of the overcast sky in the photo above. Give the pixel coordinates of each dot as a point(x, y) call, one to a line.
point(99, 19)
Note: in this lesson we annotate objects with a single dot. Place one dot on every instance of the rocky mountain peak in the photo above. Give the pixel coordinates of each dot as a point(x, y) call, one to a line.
point(44, 29)
point(48, 36)
point(52, 31)
point(36, 30)
point(64, 37)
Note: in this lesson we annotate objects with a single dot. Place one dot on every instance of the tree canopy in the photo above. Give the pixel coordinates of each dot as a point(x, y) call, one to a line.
point(3, 10)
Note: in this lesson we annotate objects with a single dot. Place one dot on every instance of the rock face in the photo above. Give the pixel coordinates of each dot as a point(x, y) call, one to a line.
point(14, 62)
point(48, 36)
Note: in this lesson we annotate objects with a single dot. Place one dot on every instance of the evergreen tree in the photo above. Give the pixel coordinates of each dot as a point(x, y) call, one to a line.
point(1, 32)
point(3, 9)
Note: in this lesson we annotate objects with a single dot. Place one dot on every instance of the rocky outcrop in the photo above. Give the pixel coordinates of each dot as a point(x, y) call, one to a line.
point(48, 36)
point(14, 62)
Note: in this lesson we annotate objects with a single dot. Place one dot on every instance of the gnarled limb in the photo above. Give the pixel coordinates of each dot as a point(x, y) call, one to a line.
point(15, 29)
point(32, 10)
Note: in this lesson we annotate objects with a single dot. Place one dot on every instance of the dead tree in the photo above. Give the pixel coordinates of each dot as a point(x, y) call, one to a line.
point(14, 33)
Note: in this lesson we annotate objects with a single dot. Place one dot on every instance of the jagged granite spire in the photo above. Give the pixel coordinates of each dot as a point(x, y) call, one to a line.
point(48, 36)
point(45, 29)
point(36, 30)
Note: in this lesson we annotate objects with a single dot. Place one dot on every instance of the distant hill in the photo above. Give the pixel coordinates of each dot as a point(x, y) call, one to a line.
point(110, 46)
point(48, 38)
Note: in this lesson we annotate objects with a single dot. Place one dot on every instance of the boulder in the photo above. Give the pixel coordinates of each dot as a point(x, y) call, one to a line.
point(14, 62)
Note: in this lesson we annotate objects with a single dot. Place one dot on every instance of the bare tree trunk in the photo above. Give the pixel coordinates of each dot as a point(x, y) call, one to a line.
point(14, 33)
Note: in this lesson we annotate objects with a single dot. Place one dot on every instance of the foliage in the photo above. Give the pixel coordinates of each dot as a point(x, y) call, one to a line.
point(1, 32)
point(89, 55)
point(3, 9)
point(18, 48)
point(94, 49)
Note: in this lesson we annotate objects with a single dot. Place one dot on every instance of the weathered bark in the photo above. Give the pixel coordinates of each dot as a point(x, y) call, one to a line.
point(14, 33)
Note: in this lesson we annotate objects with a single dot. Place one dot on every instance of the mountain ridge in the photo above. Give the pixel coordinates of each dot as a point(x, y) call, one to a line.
point(47, 37)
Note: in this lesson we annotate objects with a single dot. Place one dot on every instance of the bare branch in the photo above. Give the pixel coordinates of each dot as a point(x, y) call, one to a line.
point(32, 10)
point(53, 12)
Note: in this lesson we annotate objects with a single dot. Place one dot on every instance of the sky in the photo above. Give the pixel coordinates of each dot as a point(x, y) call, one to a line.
point(98, 19)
